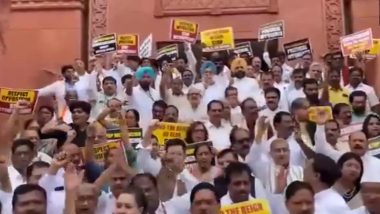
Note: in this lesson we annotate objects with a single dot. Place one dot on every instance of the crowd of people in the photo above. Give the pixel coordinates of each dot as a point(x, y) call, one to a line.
point(263, 143)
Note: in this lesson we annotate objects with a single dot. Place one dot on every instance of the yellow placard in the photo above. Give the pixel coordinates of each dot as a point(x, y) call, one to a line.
point(255, 206)
point(375, 47)
point(217, 39)
point(127, 39)
point(9, 97)
point(315, 111)
point(100, 149)
point(185, 26)
point(168, 131)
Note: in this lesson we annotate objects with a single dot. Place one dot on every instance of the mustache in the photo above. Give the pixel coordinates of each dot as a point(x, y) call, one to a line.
point(358, 146)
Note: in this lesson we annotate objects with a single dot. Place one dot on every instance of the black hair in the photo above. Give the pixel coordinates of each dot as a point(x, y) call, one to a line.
point(199, 146)
point(137, 115)
point(366, 122)
point(356, 68)
point(326, 168)
point(134, 58)
point(191, 128)
point(144, 175)
point(242, 104)
point(85, 106)
point(225, 152)
point(164, 58)
point(139, 195)
point(334, 71)
point(309, 81)
point(278, 117)
point(204, 186)
point(333, 121)
point(229, 88)
point(299, 71)
point(296, 186)
point(175, 142)
point(183, 57)
point(109, 78)
point(174, 107)
point(212, 102)
point(272, 90)
point(297, 104)
point(349, 156)
point(49, 108)
point(125, 77)
point(160, 103)
point(270, 73)
point(24, 189)
point(36, 164)
point(64, 68)
point(22, 142)
point(282, 71)
point(232, 133)
point(357, 94)
point(236, 168)
point(338, 107)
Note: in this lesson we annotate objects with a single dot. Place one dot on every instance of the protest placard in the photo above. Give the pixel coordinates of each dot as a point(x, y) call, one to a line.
point(255, 206)
point(315, 111)
point(295, 50)
point(104, 44)
point(217, 39)
point(169, 50)
point(374, 146)
point(184, 31)
point(146, 47)
point(9, 97)
point(168, 131)
point(356, 42)
point(190, 156)
point(128, 43)
point(242, 47)
point(135, 135)
point(270, 31)
point(371, 53)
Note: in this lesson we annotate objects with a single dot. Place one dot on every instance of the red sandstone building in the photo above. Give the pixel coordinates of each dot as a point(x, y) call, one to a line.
point(44, 34)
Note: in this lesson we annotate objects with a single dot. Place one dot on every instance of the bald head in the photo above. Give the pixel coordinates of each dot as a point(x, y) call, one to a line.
point(279, 151)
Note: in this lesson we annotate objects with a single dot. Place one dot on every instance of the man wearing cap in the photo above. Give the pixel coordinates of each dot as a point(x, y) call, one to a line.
point(246, 86)
point(213, 89)
point(142, 96)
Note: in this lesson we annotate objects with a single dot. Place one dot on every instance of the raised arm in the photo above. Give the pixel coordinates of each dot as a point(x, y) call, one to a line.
point(191, 60)
point(321, 144)
point(4, 176)
point(73, 180)
point(165, 83)
point(90, 141)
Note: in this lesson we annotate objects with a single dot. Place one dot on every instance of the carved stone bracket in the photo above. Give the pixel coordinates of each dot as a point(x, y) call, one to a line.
point(334, 24)
point(213, 7)
point(46, 4)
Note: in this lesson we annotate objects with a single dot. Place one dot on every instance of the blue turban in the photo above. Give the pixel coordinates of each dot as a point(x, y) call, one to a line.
point(145, 70)
point(208, 65)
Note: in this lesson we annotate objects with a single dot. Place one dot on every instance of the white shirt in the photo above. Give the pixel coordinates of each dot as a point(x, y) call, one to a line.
point(372, 98)
point(220, 136)
point(293, 93)
point(297, 157)
point(143, 101)
point(371, 164)
point(286, 72)
point(190, 114)
point(56, 89)
point(6, 201)
point(245, 86)
point(15, 177)
point(82, 87)
point(330, 201)
point(259, 97)
point(102, 100)
point(212, 92)
point(236, 116)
